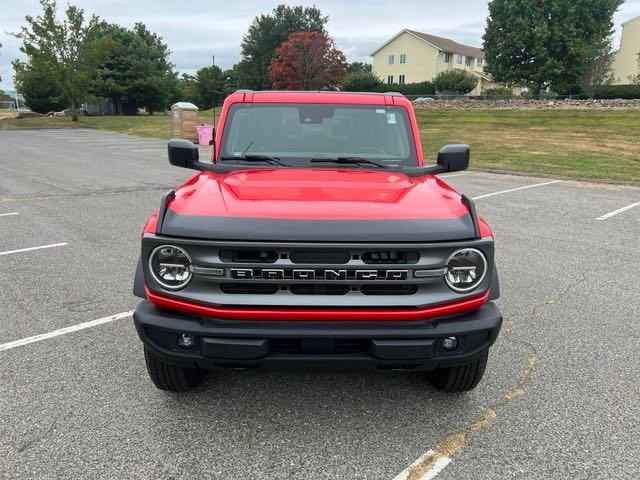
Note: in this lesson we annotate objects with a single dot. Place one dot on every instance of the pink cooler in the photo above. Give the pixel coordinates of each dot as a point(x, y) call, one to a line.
point(205, 134)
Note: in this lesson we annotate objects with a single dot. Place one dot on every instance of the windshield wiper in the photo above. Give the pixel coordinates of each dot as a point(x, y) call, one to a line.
point(256, 157)
point(349, 161)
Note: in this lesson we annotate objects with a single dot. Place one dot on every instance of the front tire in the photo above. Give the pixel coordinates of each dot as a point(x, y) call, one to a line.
point(460, 378)
point(170, 377)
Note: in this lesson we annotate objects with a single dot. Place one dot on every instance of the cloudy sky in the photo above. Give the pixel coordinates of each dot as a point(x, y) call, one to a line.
point(197, 29)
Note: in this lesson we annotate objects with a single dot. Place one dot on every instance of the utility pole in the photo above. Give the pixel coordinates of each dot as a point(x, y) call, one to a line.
point(213, 64)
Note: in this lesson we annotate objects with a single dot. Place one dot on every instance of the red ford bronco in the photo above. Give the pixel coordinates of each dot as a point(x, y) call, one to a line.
point(317, 236)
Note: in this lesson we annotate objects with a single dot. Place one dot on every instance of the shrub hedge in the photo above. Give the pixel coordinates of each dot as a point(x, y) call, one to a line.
point(420, 88)
point(627, 92)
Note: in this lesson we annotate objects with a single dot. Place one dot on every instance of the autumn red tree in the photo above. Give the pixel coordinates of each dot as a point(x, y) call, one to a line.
point(307, 61)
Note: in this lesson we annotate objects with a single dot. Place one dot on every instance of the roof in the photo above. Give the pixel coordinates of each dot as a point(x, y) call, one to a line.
point(441, 43)
point(323, 92)
point(635, 19)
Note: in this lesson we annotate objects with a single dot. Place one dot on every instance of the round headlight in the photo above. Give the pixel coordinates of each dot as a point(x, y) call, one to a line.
point(465, 269)
point(170, 267)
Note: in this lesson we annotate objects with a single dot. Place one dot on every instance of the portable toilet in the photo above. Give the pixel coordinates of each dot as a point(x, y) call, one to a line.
point(184, 118)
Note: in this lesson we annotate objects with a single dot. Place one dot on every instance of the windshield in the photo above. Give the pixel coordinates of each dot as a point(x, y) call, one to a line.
point(297, 134)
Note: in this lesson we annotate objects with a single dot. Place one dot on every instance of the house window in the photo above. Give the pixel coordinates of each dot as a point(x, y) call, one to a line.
point(403, 58)
point(459, 59)
point(392, 59)
point(390, 79)
point(479, 62)
point(468, 61)
point(447, 58)
point(401, 79)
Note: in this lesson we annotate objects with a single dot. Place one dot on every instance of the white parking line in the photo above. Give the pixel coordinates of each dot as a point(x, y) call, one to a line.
point(440, 462)
point(8, 214)
point(616, 212)
point(64, 331)
point(449, 175)
point(30, 249)
point(516, 189)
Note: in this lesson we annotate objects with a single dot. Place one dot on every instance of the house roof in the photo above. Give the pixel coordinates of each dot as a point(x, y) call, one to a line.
point(441, 43)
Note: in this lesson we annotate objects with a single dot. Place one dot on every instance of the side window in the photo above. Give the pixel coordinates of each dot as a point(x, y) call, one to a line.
point(401, 79)
point(479, 62)
point(392, 59)
point(403, 58)
point(389, 79)
point(468, 61)
point(447, 58)
point(459, 59)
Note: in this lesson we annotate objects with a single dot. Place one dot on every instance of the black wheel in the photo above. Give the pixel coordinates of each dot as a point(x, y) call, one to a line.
point(172, 377)
point(460, 378)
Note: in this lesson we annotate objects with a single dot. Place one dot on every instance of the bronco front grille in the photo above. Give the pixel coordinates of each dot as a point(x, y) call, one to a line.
point(314, 272)
point(291, 274)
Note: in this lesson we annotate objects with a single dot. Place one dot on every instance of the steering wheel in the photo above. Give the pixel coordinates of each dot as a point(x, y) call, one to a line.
point(370, 149)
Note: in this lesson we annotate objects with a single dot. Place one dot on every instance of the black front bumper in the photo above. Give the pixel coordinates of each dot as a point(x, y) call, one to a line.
point(246, 344)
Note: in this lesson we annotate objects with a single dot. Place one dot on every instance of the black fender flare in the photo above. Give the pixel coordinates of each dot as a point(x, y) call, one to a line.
point(138, 281)
point(495, 284)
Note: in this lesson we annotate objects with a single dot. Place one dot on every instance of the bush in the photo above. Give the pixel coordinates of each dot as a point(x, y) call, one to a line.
point(501, 92)
point(361, 82)
point(627, 92)
point(41, 92)
point(420, 88)
point(457, 81)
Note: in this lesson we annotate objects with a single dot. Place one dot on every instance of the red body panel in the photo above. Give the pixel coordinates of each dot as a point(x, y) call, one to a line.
point(317, 194)
point(285, 314)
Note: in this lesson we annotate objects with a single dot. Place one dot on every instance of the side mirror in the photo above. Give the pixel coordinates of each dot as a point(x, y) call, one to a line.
point(454, 158)
point(183, 153)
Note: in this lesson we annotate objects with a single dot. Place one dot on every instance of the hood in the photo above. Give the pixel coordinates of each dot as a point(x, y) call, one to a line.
point(297, 204)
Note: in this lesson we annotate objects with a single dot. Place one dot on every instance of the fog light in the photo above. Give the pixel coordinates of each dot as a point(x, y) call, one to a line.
point(449, 344)
point(186, 341)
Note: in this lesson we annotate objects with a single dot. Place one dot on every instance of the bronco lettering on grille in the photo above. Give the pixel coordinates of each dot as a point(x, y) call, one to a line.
point(317, 274)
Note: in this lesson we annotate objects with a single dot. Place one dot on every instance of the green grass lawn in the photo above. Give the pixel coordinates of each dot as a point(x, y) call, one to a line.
point(583, 144)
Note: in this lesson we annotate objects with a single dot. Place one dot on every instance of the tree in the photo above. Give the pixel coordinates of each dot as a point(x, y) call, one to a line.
point(209, 83)
point(541, 44)
point(66, 50)
point(136, 69)
point(265, 34)
point(597, 61)
point(359, 67)
point(458, 81)
point(187, 88)
point(307, 61)
point(361, 82)
point(40, 87)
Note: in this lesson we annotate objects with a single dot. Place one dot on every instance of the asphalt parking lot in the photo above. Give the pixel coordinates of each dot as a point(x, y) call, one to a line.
point(560, 398)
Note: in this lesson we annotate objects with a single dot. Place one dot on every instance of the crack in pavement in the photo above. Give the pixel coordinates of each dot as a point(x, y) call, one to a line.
point(456, 441)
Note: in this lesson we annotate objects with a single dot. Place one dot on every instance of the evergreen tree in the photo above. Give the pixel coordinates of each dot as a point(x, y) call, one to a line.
point(542, 44)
